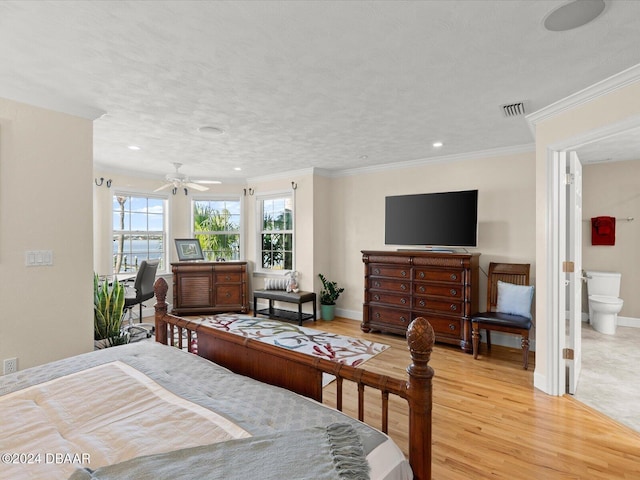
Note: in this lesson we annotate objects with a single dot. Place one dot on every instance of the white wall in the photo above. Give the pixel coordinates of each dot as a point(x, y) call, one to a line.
point(46, 176)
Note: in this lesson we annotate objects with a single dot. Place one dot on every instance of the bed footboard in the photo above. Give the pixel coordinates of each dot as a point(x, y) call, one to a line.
point(303, 374)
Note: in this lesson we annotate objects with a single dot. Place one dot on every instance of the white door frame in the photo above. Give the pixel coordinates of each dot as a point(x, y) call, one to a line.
point(556, 319)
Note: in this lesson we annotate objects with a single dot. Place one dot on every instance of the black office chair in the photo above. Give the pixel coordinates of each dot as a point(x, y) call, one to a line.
point(141, 291)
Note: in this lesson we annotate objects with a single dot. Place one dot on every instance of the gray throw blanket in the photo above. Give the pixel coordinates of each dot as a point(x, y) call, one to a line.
point(330, 453)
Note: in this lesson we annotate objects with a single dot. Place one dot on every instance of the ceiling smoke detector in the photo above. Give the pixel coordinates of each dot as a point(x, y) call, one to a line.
point(513, 109)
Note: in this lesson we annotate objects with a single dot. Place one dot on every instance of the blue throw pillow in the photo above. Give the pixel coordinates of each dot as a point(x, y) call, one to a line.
point(514, 299)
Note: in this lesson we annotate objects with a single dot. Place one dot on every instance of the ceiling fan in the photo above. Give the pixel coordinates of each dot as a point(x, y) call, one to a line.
point(180, 180)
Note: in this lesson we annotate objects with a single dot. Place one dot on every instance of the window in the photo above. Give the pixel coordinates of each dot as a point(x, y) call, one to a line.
point(139, 231)
point(216, 224)
point(276, 232)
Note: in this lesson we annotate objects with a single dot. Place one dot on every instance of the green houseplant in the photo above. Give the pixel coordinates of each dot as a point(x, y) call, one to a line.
point(328, 296)
point(108, 306)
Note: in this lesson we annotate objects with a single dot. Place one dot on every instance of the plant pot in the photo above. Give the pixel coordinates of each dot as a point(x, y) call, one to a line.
point(100, 344)
point(327, 312)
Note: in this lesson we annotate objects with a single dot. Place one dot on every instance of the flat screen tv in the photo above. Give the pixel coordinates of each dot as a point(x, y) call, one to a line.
point(447, 219)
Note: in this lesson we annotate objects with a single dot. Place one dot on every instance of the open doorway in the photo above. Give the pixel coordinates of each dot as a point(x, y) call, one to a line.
point(596, 152)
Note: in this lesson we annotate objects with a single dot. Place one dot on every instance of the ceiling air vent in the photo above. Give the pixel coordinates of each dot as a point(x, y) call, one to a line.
point(513, 109)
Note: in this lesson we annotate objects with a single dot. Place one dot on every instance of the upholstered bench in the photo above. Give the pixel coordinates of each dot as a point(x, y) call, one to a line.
point(298, 298)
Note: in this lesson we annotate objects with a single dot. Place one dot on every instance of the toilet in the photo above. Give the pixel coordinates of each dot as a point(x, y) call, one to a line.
point(603, 289)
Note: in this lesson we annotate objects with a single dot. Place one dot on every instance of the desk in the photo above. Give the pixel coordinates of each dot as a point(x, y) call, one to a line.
point(288, 297)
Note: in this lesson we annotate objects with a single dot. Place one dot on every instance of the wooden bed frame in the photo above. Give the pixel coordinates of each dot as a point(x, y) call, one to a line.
point(302, 373)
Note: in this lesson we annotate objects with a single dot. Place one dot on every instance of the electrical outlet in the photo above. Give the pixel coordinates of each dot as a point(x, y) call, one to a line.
point(10, 365)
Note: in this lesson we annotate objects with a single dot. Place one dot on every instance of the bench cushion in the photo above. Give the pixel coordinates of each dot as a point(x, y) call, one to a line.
point(282, 296)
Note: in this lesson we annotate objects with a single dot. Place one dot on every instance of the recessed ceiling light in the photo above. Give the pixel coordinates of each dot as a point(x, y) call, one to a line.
point(437, 144)
point(134, 147)
point(237, 169)
point(573, 15)
point(364, 157)
point(210, 130)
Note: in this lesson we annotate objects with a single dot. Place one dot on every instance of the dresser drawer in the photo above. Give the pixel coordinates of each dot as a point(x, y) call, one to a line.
point(389, 298)
point(393, 317)
point(390, 271)
point(448, 276)
point(449, 291)
point(390, 285)
point(228, 277)
point(430, 305)
point(228, 295)
point(449, 327)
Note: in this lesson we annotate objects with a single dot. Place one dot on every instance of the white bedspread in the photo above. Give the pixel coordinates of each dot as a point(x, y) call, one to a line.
point(131, 416)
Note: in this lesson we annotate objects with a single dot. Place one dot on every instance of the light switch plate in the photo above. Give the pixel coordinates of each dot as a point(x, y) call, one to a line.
point(38, 258)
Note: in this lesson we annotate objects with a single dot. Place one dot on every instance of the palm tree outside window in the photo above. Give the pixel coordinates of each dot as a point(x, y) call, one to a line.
point(216, 225)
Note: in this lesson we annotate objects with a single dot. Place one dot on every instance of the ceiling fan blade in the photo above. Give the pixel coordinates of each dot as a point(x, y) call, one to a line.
point(196, 186)
point(164, 187)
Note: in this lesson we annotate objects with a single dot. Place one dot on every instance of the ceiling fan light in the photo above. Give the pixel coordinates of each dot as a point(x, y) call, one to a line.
point(208, 182)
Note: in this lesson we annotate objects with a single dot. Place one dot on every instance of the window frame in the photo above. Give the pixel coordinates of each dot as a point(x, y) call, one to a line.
point(219, 198)
point(260, 199)
point(165, 227)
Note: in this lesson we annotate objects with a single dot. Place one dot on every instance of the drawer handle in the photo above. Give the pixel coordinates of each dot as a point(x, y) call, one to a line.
point(403, 301)
point(453, 307)
point(377, 315)
point(376, 297)
point(421, 289)
point(421, 303)
point(453, 292)
point(403, 273)
point(452, 326)
point(421, 274)
point(454, 276)
point(403, 287)
point(376, 284)
point(376, 271)
point(403, 319)
point(228, 295)
point(227, 277)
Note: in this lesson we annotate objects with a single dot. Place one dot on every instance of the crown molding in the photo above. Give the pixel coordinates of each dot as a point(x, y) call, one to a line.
point(286, 175)
point(494, 152)
point(55, 103)
point(604, 87)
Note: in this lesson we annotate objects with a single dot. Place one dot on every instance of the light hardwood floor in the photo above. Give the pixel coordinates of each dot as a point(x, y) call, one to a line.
point(490, 423)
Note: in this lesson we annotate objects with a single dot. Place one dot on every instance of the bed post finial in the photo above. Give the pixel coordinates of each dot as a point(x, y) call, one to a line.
point(420, 338)
point(160, 289)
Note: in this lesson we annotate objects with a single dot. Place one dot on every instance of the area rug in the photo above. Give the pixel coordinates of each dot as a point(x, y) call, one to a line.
point(330, 346)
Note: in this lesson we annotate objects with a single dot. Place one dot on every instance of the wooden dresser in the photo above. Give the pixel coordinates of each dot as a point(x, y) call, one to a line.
point(209, 287)
point(402, 285)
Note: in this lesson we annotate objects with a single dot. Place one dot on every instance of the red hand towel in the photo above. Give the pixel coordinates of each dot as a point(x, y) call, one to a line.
point(603, 231)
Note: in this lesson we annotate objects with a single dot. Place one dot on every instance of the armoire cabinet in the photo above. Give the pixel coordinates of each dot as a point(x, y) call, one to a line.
point(442, 287)
point(209, 287)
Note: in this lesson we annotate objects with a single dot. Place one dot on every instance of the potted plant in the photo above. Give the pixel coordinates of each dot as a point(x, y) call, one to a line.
point(328, 296)
point(108, 306)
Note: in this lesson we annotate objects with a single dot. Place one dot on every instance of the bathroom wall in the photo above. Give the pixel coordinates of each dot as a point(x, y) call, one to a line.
point(613, 189)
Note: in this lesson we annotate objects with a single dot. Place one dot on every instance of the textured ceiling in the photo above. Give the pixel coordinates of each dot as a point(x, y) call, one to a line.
point(294, 85)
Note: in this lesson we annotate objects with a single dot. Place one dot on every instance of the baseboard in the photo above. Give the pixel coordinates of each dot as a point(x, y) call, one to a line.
point(622, 321)
point(628, 322)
